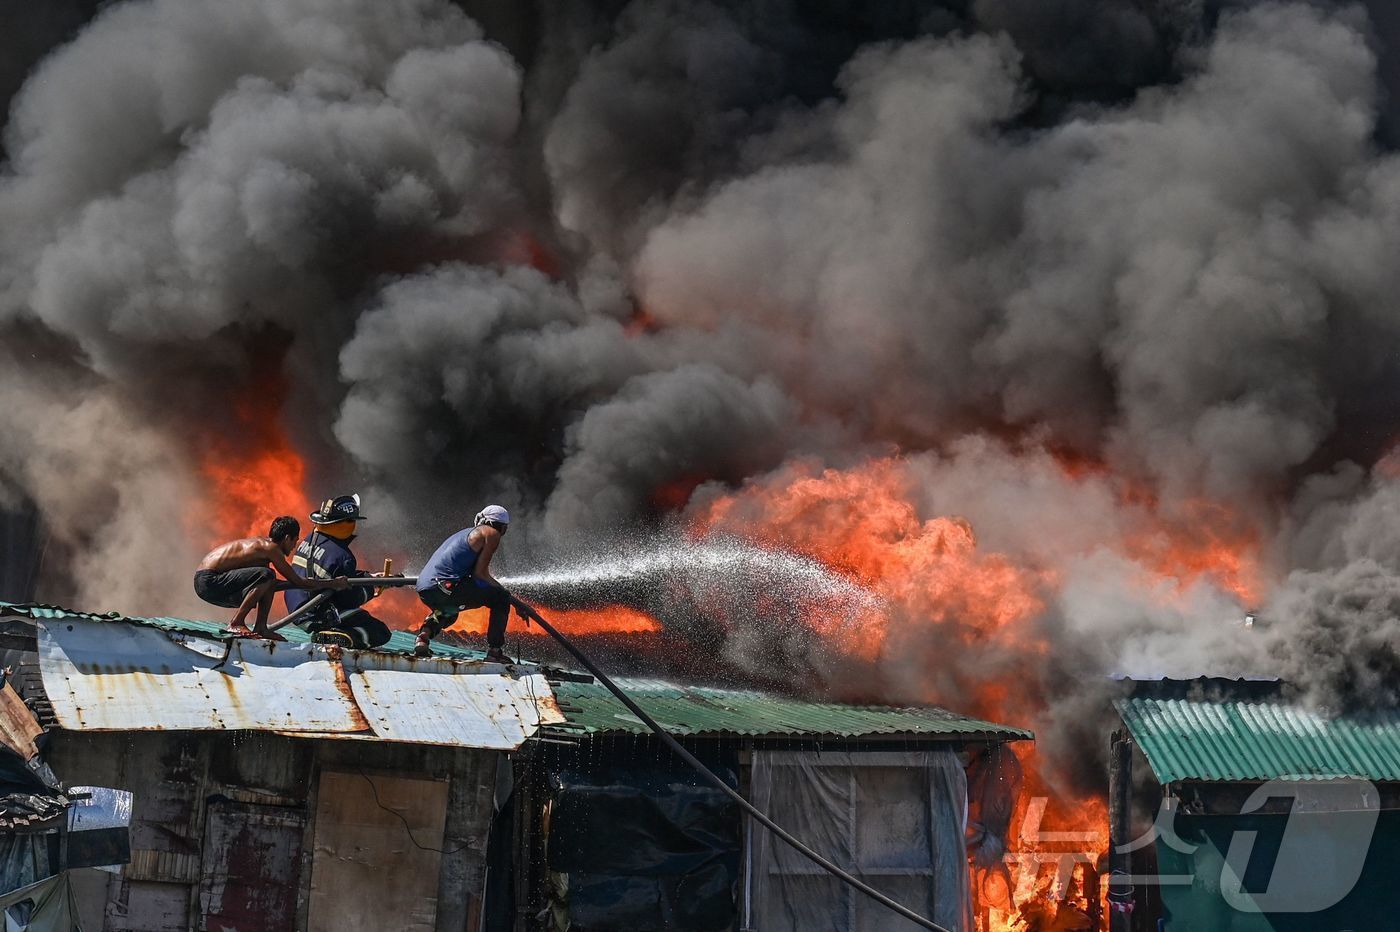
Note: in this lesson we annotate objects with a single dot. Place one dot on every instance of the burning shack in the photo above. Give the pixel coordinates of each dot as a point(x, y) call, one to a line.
point(178, 779)
point(881, 790)
point(1264, 815)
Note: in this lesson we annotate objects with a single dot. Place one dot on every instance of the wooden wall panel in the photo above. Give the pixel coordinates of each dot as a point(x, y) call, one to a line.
point(371, 869)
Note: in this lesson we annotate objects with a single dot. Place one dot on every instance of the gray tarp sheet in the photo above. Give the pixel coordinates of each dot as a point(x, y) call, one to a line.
point(24, 859)
point(894, 819)
point(46, 906)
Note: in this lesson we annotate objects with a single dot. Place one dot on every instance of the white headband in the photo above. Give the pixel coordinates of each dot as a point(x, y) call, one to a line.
point(493, 513)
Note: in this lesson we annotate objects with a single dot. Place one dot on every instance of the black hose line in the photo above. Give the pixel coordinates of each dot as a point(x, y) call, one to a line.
point(306, 608)
point(378, 582)
point(714, 778)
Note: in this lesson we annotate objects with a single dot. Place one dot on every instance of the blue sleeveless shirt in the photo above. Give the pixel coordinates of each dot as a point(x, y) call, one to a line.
point(453, 561)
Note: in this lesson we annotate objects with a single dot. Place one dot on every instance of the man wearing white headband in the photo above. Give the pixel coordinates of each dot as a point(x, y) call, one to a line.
point(458, 576)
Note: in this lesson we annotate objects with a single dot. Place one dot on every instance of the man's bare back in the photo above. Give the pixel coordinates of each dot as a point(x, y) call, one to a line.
point(236, 554)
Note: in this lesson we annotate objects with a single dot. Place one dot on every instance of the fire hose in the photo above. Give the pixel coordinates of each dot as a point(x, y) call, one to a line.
point(758, 816)
point(311, 604)
point(528, 611)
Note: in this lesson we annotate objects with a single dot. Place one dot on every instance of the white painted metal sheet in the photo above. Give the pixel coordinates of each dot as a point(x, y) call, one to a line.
point(460, 704)
point(110, 676)
point(102, 676)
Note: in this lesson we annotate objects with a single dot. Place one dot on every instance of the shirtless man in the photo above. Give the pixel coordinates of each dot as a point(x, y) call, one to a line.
point(237, 575)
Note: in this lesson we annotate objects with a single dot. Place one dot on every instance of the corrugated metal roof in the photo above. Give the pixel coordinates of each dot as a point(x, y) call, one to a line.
point(393, 706)
point(695, 710)
point(103, 675)
point(1248, 741)
point(109, 676)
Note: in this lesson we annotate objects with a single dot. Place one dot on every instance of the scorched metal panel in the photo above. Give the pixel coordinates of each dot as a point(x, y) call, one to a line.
point(102, 676)
point(442, 702)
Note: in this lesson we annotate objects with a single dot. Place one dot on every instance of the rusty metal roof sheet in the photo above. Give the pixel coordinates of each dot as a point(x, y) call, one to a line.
point(696, 710)
point(104, 675)
point(108, 676)
point(483, 710)
point(1243, 741)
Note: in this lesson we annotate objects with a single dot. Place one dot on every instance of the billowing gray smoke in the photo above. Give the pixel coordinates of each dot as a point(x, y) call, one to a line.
point(617, 255)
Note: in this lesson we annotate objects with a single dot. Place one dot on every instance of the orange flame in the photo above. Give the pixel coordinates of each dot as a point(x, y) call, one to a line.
point(400, 609)
point(616, 619)
point(862, 523)
point(1202, 540)
point(941, 587)
point(252, 479)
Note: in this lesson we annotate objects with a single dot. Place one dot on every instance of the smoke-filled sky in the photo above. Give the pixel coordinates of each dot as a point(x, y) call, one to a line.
point(1068, 273)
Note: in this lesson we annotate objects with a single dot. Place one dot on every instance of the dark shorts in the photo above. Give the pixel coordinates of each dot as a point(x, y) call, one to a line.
point(229, 588)
point(466, 595)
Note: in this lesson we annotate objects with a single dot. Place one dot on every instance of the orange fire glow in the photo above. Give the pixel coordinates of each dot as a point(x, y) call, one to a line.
point(1203, 542)
point(940, 587)
point(616, 619)
point(1053, 862)
point(400, 609)
point(251, 480)
point(860, 522)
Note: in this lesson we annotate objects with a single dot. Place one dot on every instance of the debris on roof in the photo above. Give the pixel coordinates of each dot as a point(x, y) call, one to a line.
point(1234, 740)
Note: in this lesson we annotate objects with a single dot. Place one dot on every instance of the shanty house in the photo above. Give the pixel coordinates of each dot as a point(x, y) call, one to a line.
point(1269, 816)
point(277, 786)
point(294, 786)
point(882, 791)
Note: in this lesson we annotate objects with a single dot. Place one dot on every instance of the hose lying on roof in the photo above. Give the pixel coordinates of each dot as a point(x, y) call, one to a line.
point(714, 778)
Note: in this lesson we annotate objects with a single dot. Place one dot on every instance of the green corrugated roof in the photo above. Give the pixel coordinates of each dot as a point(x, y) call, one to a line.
point(401, 642)
point(1248, 741)
point(695, 710)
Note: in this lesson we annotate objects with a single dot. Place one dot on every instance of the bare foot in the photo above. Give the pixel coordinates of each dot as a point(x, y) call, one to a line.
point(268, 635)
point(240, 631)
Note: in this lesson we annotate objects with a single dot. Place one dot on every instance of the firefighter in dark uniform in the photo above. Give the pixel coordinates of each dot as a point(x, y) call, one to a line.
point(325, 554)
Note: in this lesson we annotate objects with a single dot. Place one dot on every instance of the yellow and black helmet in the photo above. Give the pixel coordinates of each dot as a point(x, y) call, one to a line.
point(340, 508)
